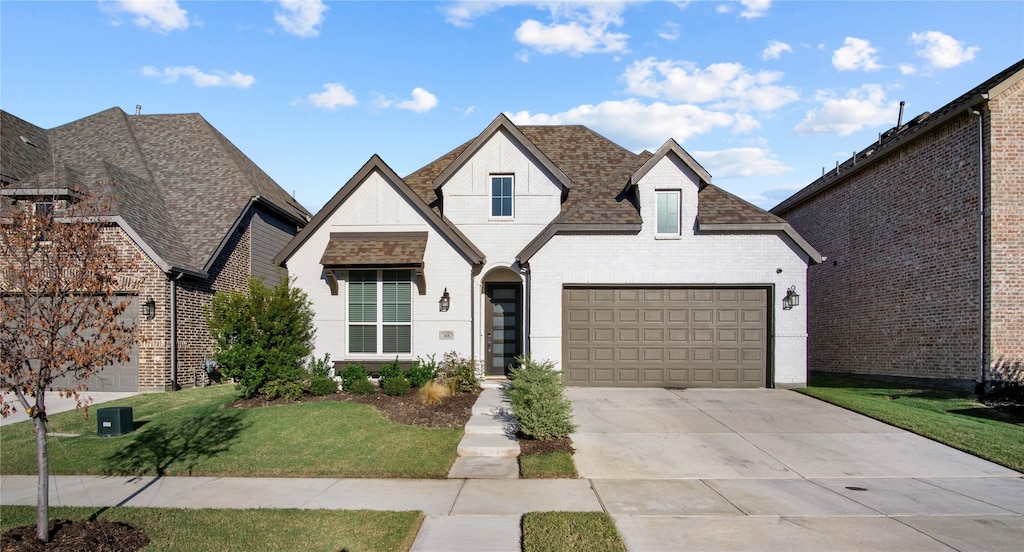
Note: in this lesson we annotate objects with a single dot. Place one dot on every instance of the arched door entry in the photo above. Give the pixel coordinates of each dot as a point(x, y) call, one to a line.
point(503, 327)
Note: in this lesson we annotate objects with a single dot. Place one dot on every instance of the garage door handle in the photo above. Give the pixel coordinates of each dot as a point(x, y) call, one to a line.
point(489, 342)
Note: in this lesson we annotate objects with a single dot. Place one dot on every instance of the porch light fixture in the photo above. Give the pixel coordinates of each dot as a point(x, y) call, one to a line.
point(445, 302)
point(149, 308)
point(791, 299)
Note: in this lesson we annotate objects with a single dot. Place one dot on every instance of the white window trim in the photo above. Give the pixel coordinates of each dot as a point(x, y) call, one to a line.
point(490, 196)
point(379, 324)
point(679, 216)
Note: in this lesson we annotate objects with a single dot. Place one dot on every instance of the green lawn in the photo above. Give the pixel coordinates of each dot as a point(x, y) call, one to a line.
point(570, 532)
point(953, 419)
point(190, 433)
point(548, 465)
point(246, 530)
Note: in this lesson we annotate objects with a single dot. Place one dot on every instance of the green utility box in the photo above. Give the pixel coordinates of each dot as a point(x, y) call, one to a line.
point(114, 421)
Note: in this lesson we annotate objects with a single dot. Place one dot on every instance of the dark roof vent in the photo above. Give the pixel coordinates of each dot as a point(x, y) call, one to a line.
point(27, 141)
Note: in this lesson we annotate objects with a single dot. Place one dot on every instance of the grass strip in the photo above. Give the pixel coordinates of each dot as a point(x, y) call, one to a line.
point(570, 532)
point(547, 465)
point(246, 530)
point(189, 432)
point(950, 418)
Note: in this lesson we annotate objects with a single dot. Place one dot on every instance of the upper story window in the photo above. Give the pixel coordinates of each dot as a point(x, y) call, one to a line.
point(43, 210)
point(501, 195)
point(379, 312)
point(668, 212)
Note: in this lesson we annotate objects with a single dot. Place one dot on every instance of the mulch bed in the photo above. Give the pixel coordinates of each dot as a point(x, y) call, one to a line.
point(76, 536)
point(531, 446)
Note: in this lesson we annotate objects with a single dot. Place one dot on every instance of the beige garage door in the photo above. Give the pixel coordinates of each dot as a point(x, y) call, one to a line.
point(121, 377)
point(665, 337)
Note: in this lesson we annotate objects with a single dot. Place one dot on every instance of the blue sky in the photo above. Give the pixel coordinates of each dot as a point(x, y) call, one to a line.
point(763, 94)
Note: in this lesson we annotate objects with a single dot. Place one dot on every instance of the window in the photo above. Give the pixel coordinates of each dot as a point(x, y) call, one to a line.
point(45, 212)
point(379, 311)
point(668, 213)
point(501, 195)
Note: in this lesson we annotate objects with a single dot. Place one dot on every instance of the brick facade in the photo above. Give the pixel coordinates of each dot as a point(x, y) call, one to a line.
point(899, 292)
point(1006, 241)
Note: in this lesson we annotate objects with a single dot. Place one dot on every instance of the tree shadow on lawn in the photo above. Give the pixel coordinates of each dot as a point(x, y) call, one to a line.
point(183, 442)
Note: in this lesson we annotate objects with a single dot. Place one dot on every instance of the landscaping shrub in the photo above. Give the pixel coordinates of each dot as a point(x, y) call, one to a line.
point(390, 370)
point(396, 386)
point(261, 335)
point(283, 388)
point(320, 367)
point(537, 399)
point(362, 387)
point(458, 373)
point(422, 371)
point(433, 392)
point(352, 374)
point(322, 386)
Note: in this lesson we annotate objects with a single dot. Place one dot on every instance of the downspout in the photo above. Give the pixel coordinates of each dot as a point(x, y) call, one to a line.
point(174, 332)
point(981, 248)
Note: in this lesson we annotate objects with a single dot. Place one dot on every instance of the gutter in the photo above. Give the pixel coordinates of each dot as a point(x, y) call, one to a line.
point(981, 247)
point(174, 331)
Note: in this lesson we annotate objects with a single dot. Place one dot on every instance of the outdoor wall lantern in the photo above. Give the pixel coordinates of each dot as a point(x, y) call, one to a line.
point(791, 299)
point(149, 308)
point(445, 302)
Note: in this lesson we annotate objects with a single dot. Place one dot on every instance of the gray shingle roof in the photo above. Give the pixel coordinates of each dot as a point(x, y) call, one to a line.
point(181, 185)
point(599, 170)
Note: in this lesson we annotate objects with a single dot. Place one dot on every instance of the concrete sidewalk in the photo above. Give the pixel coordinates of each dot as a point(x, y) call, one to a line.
point(708, 470)
point(963, 513)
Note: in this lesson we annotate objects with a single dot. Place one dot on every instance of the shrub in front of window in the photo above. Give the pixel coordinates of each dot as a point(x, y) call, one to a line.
point(422, 371)
point(362, 387)
point(352, 375)
point(395, 386)
point(458, 373)
point(537, 398)
point(261, 336)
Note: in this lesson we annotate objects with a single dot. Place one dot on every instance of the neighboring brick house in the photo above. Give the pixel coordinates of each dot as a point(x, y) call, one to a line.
point(625, 269)
point(919, 282)
point(193, 211)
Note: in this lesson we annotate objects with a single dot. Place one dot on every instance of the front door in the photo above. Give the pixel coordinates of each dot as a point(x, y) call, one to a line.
point(503, 321)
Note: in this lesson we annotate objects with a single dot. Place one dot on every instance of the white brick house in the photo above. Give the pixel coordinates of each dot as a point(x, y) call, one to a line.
point(624, 269)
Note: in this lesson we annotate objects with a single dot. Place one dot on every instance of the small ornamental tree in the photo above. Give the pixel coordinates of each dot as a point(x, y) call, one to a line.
point(59, 311)
point(261, 336)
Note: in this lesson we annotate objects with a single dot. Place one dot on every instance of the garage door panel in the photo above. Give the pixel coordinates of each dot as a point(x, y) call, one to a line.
point(674, 337)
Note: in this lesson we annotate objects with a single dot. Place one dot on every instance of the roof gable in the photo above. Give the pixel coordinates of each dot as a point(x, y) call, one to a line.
point(671, 147)
point(501, 122)
point(375, 163)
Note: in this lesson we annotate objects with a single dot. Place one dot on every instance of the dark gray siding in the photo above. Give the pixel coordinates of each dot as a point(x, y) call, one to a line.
point(269, 236)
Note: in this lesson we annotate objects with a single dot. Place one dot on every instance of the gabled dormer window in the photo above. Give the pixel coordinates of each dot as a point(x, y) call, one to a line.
point(668, 213)
point(502, 186)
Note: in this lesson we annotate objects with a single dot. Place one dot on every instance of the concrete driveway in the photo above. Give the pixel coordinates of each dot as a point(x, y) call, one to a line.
point(715, 469)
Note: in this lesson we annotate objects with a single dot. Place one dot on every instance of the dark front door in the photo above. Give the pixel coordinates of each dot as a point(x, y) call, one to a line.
point(504, 342)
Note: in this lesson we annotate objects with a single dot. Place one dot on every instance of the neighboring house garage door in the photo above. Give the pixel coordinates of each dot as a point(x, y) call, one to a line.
point(665, 337)
point(123, 377)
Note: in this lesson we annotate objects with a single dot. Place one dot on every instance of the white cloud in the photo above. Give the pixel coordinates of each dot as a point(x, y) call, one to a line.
point(635, 124)
point(335, 94)
point(669, 31)
point(755, 8)
point(861, 108)
point(907, 69)
point(462, 13)
point(199, 78)
point(161, 16)
point(723, 8)
point(740, 162)
point(421, 102)
point(301, 17)
point(724, 85)
point(856, 53)
point(775, 50)
point(941, 50)
point(576, 29)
